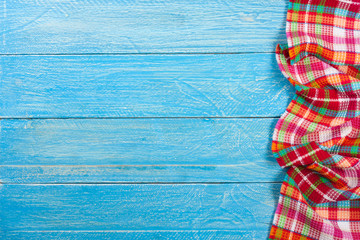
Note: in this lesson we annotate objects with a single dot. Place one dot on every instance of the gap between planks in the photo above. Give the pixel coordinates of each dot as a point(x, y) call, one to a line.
point(139, 54)
point(138, 183)
point(192, 117)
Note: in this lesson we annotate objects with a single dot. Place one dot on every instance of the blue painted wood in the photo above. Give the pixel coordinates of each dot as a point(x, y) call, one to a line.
point(162, 26)
point(143, 86)
point(134, 207)
point(248, 171)
point(173, 178)
point(151, 149)
point(256, 234)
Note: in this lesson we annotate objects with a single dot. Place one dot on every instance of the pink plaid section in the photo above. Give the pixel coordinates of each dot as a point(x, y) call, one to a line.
point(318, 137)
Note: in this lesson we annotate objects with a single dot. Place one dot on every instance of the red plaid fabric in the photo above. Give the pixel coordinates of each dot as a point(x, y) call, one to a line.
point(318, 136)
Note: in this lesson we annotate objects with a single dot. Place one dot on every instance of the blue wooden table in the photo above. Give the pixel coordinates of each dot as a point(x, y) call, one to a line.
point(139, 119)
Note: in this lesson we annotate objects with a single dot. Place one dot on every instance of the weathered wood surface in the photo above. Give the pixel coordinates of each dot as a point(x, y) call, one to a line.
point(245, 208)
point(249, 171)
point(139, 26)
point(185, 149)
point(256, 234)
point(126, 120)
point(143, 86)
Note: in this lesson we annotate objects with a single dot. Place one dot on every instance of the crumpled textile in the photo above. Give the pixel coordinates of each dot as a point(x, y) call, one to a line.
point(318, 137)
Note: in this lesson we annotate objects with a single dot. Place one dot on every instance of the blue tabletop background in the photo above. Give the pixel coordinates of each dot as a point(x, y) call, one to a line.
point(135, 119)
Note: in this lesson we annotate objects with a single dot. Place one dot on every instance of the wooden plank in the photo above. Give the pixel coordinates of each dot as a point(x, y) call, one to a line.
point(138, 150)
point(156, 147)
point(141, 234)
point(143, 86)
point(242, 172)
point(163, 26)
point(134, 207)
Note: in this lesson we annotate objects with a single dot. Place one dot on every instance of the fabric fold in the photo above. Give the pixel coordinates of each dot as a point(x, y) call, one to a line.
point(318, 137)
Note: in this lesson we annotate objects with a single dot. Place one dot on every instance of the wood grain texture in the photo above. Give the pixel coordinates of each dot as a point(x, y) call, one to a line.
point(248, 171)
point(139, 26)
point(150, 149)
point(143, 86)
point(108, 128)
point(154, 141)
point(134, 207)
point(256, 234)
